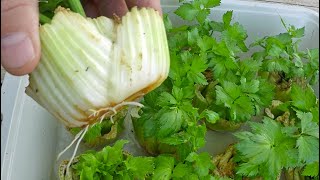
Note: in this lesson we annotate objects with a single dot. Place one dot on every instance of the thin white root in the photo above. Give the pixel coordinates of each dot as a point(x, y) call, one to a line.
point(113, 109)
point(111, 118)
point(101, 119)
point(82, 133)
point(128, 103)
point(73, 141)
point(77, 146)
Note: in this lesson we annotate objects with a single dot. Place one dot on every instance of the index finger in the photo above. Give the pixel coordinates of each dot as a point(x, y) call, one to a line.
point(155, 4)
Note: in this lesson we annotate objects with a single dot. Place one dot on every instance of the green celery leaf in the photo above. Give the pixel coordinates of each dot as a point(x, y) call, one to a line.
point(311, 170)
point(167, 22)
point(308, 127)
point(227, 93)
point(202, 163)
point(181, 170)
point(206, 43)
point(140, 167)
point(169, 121)
point(202, 15)
point(211, 3)
point(176, 139)
point(87, 173)
point(308, 148)
point(249, 86)
point(275, 51)
point(211, 116)
point(166, 99)
point(265, 148)
point(198, 65)
point(222, 66)
point(93, 133)
point(298, 33)
point(193, 36)
point(216, 26)
point(249, 68)
point(276, 65)
point(234, 38)
point(247, 169)
point(266, 92)
point(311, 69)
point(164, 167)
point(187, 12)
point(197, 134)
point(112, 155)
point(315, 113)
point(303, 99)
point(242, 109)
point(227, 18)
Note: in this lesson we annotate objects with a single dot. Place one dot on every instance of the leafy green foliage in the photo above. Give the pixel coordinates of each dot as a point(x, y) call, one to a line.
point(270, 147)
point(196, 10)
point(266, 148)
point(170, 125)
point(114, 163)
point(164, 167)
point(104, 132)
point(280, 54)
point(111, 162)
point(207, 52)
point(195, 166)
point(47, 7)
point(308, 142)
point(243, 100)
point(92, 133)
point(311, 170)
point(303, 98)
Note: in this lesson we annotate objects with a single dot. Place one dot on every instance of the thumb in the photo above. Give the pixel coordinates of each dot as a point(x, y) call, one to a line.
point(20, 44)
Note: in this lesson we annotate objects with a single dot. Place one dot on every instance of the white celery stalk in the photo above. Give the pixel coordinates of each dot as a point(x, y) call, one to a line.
point(92, 64)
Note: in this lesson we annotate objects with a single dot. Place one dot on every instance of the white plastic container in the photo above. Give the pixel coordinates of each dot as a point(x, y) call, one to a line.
point(31, 138)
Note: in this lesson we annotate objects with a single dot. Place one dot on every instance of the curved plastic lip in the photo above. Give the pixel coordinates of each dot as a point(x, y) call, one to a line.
point(258, 7)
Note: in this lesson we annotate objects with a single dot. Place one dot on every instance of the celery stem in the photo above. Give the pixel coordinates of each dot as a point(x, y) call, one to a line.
point(76, 6)
point(44, 19)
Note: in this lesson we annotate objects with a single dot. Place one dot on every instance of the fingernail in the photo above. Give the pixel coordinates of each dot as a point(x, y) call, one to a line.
point(16, 50)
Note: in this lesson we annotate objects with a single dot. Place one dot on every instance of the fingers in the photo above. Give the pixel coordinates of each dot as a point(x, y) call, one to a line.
point(91, 9)
point(20, 44)
point(119, 7)
point(155, 4)
point(112, 7)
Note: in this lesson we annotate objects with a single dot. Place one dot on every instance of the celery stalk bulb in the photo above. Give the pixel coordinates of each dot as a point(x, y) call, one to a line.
point(89, 65)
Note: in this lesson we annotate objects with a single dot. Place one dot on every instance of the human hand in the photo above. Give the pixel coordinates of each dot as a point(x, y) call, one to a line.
point(20, 43)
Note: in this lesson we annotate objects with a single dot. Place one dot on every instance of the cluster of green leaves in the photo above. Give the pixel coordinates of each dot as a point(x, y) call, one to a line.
point(273, 146)
point(211, 48)
point(196, 10)
point(243, 100)
point(302, 99)
point(194, 167)
point(203, 54)
point(114, 163)
point(280, 54)
point(168, 123)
